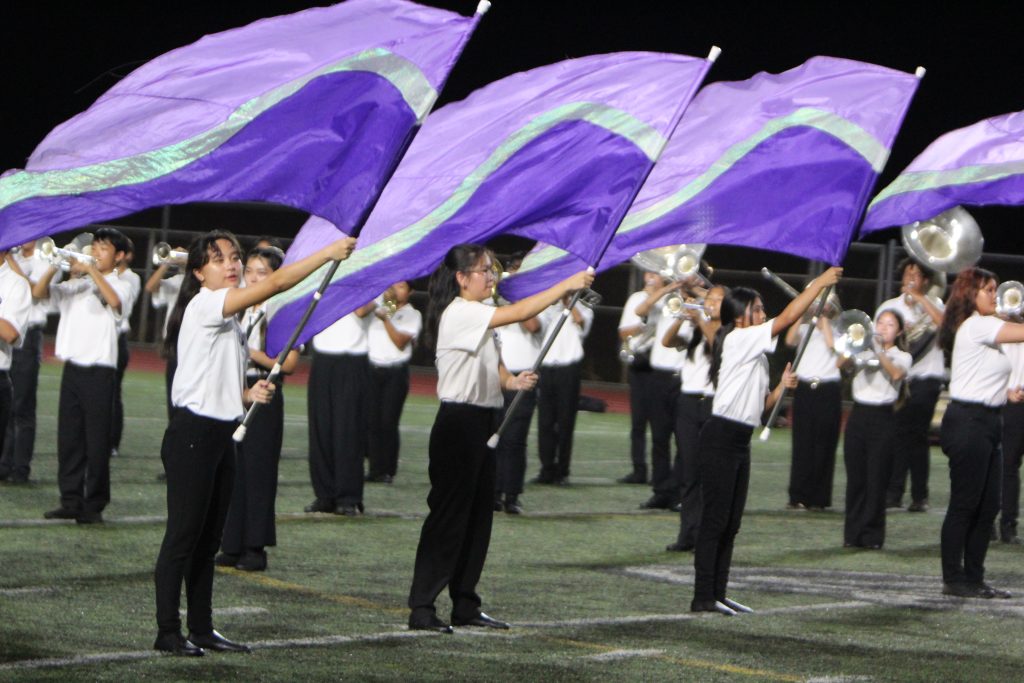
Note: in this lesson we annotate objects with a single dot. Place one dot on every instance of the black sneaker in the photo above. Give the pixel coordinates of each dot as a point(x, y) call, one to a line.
point(253, 561)
point(633, 478)
point(89, 517)
point(513, 506)
point(321, 505)
point(61, 513)
point(226, 560)
point(918, 506)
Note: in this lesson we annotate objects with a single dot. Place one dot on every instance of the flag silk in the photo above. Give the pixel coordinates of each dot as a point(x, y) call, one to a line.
point(783, 162)
point(555, 154)
point(977, 165)
point(309, 110)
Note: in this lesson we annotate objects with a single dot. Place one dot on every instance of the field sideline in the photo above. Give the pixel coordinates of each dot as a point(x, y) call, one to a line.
point(582, 576)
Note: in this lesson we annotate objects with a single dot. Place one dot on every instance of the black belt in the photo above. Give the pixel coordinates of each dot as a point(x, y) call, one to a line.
point(971, 405)
point(815, 382)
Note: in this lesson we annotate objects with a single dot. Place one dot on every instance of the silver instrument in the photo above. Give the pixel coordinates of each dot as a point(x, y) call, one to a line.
point(165, 255)
point(1010, 299)
point(832, 306)
point(853, 336)
point(78, 249)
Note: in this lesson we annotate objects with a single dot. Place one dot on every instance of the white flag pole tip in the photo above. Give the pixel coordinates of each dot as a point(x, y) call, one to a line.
point(482, 8)
point(493, 441)
point(920, 72)
point(590, 269)
point(239, 435)
point(714, 53)
point(765, 433)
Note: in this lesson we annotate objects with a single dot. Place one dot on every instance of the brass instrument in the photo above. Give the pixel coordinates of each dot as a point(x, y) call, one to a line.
point(165, 255)
point(77, 249)
point(1010, 300)
point(853, 335)
point(389, 305)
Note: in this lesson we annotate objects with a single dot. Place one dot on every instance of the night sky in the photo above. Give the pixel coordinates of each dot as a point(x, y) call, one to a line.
point(58, 55)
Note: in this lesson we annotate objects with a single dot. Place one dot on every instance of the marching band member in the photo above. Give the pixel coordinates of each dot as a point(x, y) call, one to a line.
point(339, 383)
point(739, 371)
point(519, 344)
point(20, 438)
point(456, 533)
point(817, 412)
point(391, 337)
point(91, 305)
point(972, 429)
point(250, 528)
point(15, 307)
point(694, 336)
point(163, 291)
point(1013, 445)
point(867, 444)
point(641, 313)
point(914, 418)
point(558, 391)
point(125, 272)
point(198, 453)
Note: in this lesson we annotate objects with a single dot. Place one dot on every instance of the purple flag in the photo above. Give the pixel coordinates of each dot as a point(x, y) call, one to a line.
point(556, 154)
point(977, 165)
point(309, 110)
point(782, 162)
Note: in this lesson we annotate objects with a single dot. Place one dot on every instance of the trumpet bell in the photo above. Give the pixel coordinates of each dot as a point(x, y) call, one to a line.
point(164, 254)
point(947, 243)
point(673, 262)
point(854, 331)
point(1010, 299)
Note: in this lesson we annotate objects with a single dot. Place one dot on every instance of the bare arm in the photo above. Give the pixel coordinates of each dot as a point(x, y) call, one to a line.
point(8, 332)
point(798, 306)
point(106, 290)
point(793, 335)
point(788, 381)
point(895, 372)
point(1010, 333)
point(924, 302)
point(671, 339)
point(153, 283)
point(398, 338)
point(532, 305)
point(532, 325)
point(261, 359)
point(365, 309)
point(41, 289)
point(647, 304)
point(524, 381)
point(285, 277)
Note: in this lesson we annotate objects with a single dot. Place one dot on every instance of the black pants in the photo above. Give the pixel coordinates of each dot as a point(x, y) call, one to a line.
point(724, 456)
point(20, 437)
point(558, 397)
point(117, 409)
point(457, 531)
point(867, 453)
point(169, 370)
point(511, 451)
point(816, 416)
point(692, 412)
point(338, 388)
point(640, 406)
point(970, 438)
point(912, 450)
point(83, 437)
point(250, 521)
point(1013, 450)
point(199, 459)
point(388, 390)
point(664, 389)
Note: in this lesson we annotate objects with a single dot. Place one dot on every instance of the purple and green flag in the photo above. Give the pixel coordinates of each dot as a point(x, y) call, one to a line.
point(554, 154)
point(977, 165)
point(783, 162)
point(310, 110)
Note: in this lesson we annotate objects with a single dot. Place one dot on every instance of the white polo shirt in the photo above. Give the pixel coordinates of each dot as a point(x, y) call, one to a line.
point(383, 351)
point(743, 374)
point(15, 308)
point(931, 364)
point(568, 345)
point(87, 331)
point(210, 377)
point(33, 269)
point(873, 385)
point(819, 360)
point(519, 348)
point(467, 355)
point(127, 306)
point(1015, 352)
point(695, 371)
point(346, 336)
point(979, 370)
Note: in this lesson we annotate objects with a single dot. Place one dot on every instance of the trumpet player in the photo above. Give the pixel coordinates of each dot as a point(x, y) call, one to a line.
point(867, 446)
point(922, 315)
point(163, 287)
point(817, 411)
point(15, 304)
point(125, 272)
point(391, 336)
point(91, 306)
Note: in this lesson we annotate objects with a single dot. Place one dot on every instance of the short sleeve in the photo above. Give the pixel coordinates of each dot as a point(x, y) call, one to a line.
point(464, 325)
point(984, 329)
point(901, 359)
point(410, 322)
point(15, 305)
point(587, 314)
point(629, 317)
point(123, 289)
point(747, 343)
point(210, 306)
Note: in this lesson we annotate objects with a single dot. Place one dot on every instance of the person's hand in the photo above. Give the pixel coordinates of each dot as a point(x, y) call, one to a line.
point(262, 391)
point(580, 280)
point(830, 277)
point(382, 312)
point(341, 249)
point(1015, 395)
point(79, 266)
point(524, 381)
point(789, 378)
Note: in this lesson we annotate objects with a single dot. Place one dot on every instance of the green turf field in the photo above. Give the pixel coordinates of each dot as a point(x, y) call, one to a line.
point(583, 577)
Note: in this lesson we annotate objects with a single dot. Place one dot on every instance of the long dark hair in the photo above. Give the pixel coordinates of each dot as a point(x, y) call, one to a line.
point(198, 256)
point(901, 336)
point(734, 305)
point(443, 287)
point(961, 304)
point(698, 335)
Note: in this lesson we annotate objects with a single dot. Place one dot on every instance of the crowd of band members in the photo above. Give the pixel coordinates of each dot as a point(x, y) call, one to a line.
point(701, 383)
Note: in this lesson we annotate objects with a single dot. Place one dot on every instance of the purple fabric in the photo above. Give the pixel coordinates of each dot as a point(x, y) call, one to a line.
point(977, 165)
point(570, 182)
point(326, 148)
point(799, 190)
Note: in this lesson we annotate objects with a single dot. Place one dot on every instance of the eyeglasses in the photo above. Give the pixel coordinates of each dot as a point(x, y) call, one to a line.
point(487, 272)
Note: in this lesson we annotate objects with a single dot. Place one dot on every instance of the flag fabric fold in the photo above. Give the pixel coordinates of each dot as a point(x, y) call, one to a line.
point(556, 153)
point(977, 165)
point(782, 162)
point(309, 110)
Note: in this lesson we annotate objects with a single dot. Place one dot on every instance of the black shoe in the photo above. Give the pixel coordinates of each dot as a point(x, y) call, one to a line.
point(218, 643)
point(796, 506)
point(226, 560)
point(633, 478)
point(481, 620)
point(161, 476)
point(512, 506)
point(61, 513)
point(431, 623)
point(379, 478)
point(252, 561)
point(678, 547)
point(561, 481)
point(998, 593)
point(349, 510)
point(918, 506)
point(542, 479)
point(18, 478)
point(657, 502)
point(498, 505)
point(712, 606)
point(176, 644)
point(972, 590)
point(89, 518)
point(321, 505)
point(676, 507)
point(891, 503)
point(1008, 537)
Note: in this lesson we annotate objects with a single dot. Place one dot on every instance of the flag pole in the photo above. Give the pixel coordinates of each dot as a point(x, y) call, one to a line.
point(550, 339)
point(766, 431)
point(275, 371)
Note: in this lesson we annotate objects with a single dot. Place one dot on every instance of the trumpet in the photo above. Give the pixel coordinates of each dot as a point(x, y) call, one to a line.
point(675, 305)
point(389, 305)
point(165, 255)
point(61, 257)
point(1010, 299)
